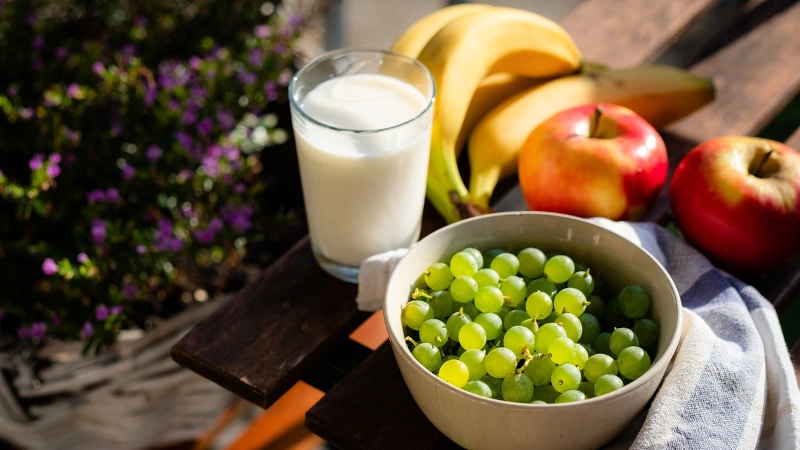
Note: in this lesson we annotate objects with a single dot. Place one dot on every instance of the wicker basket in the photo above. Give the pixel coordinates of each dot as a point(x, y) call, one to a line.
point(129, 397)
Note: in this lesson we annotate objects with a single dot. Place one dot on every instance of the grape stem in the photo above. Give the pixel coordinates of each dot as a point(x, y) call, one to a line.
point(408, 338)
point(526, 355)
point(417, 294)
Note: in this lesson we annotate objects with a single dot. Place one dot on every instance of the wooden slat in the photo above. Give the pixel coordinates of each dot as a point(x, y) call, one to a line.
point(624, 33)
point(794, 140)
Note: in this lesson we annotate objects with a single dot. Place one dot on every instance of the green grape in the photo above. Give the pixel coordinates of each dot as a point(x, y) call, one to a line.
point(529, 324)
point(546, 335)
point(442, 304)
point(454, 324)
point(478, 388)
point(571, 396)
point(589, 349)
point(438, 276)
point(600, 343)
point(463, 289)
point(476, 254)
point(587, 389)
point(471, 310)
point(633, 362)
point(568, 300)
point(590, 326)
point(495, 384)
point(472, 336)
point(572, 325)
point(565, 377)
point(486, 277)
point(596, 306)
point(580, 358)
point(544, 285)
point(598, 365)
point(491, 323)
point(549, 319)
point(415, 313)
point(621, 339)
point(514, 288)
point(500, 362)
point(607, 384)
point(531, 262)
point(514, 318)
point(461, 350)
point(434, 332)
point(537, 402)
point(647, 331)
point(559, 268)
point(540, 369)
point(504, 310)
point(518, 338)
point(428, 355)
point(634, 302)
point(474, 361)
point(463, 264)
point(545, 393)
point(562, 350)
point(581, 281)
point(539, 305)
point(488, 299)
point(489, 256)
point(517, 388)
point(505, 264)
point(614, 315)
point(454, 372)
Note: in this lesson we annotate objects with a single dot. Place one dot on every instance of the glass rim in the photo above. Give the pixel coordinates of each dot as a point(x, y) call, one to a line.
point(342, 51)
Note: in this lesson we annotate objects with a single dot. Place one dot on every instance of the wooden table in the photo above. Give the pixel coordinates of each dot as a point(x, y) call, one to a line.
point(293, 322)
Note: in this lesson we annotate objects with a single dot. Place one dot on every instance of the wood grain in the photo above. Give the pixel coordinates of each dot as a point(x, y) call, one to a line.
point(794, 140)
point(625, 33)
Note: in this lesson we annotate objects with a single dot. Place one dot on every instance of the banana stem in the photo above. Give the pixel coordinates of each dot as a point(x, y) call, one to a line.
point(482, 185)
point(444, 181)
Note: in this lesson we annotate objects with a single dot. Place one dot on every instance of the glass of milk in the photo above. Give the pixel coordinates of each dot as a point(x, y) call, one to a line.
point(362, 126)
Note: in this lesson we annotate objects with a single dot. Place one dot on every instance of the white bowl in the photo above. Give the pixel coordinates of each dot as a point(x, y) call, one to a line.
point(475, 422)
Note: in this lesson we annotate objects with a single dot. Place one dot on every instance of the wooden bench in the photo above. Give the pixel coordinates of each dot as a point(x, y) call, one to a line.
point(293, 322)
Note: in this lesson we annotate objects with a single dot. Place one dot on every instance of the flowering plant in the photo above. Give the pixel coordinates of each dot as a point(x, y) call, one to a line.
point(130, 141)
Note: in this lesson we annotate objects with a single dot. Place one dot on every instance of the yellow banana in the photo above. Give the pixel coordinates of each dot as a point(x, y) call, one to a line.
point(660, 94)
point(414, 39)
point(460, 56)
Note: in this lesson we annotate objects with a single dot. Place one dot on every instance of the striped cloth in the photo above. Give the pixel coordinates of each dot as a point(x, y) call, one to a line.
point(731, 384)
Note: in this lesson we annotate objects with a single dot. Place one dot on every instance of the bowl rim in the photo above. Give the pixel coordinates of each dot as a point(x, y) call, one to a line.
point(654, 368)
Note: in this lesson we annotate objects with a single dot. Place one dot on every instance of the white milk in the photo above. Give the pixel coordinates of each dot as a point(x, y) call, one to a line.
point(363, 192)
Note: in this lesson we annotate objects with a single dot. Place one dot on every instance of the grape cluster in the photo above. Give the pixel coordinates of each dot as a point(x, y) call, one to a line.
point(528, 328)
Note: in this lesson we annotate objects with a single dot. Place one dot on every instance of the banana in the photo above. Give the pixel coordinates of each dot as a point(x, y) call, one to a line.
point(414, 39)
point(460, 56)
point(660, 94)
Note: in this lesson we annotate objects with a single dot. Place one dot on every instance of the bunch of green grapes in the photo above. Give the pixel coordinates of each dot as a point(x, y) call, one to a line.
point(530, 327)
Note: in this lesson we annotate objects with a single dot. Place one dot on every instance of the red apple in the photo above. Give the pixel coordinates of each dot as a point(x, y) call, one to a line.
point(737, 199)
point(593, 160)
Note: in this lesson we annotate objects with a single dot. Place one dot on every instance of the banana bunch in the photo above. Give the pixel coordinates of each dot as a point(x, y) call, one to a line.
point(499, 73)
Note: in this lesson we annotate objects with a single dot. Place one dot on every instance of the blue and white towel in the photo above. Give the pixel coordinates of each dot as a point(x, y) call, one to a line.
point(731, 384)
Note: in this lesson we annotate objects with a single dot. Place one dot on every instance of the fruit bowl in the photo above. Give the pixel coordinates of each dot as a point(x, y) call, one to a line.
point(481, 423)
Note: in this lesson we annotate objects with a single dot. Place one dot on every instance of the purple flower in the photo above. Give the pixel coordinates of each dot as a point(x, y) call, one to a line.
point(164, 241)
point(53, 170)
point(281, 49)
point(184, 139)
point(238, 188)
point(54, 158)
point(285, 77)
point(98, 68)
point(140, 249)
point(247, 78)
point(38, 330)
point(13, 90)
point(101, 313)
point(272, 90)
point(211, 74)
point(38, 42)
point(127, 171)
point(98, 231)
point(238, 217)
point(189, 117)
point(83, 258)
point(295, 20)
point(26, 113)
point(204, 127)
point(116, 309)
point(172, 74)
point(55, 320)
point(153, 153)
point(129, 290)
point(61, 53)
point(23, 332)
point(198, 94)
point(195, 62)
point(49, 267)
point(140, 21)
point(173, 105)
point(36, 162)
point(262, 31)
point(232, 154)
point(74, 91)
point(206, 236)
point(225, 119)
point(149, 95)
point(96, 196)
point(256, 57)
point(211, 166)
point(117, 129)
point(128, 51)
point(112, 195)
point(72, 135)
point(87, 331)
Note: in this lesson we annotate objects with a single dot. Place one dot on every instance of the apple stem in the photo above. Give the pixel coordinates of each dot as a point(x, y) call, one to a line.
point(757, 172)
point(598, 112)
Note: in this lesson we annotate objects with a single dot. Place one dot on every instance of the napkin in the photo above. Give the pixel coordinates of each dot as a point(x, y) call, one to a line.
point(731, 383)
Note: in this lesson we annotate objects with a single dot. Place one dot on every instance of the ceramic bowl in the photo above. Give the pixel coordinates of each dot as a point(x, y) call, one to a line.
point(479, 423)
